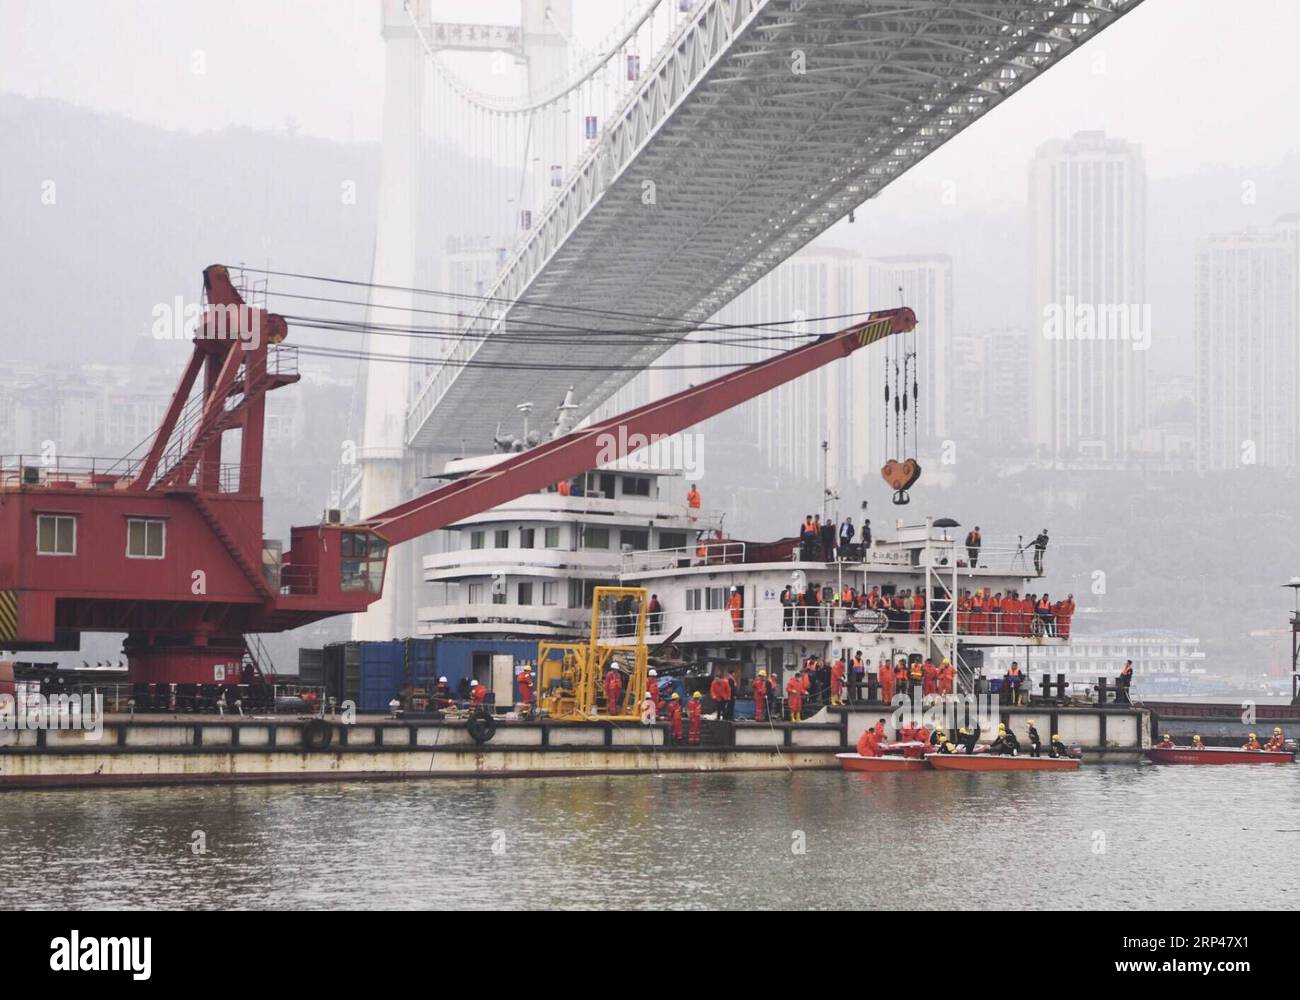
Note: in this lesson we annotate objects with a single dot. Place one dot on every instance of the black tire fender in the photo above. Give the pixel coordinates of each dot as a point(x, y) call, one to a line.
point(481, 726)
point(317, 734)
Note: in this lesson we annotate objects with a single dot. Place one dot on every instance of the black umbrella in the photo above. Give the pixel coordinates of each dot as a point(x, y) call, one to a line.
point(946, 522)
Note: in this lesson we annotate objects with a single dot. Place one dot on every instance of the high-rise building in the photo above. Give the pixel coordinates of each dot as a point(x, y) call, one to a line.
point(1247, 349)
point(1090, 319)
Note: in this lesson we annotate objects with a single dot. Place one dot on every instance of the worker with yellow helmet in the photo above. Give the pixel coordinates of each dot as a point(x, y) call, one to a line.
point(693, 713)
point(1252, 743)
point(1277, 743)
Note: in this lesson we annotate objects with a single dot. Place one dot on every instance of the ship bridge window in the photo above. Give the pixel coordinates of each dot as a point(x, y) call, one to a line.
point(693, 599)
point(362, 559)
point(552, 538)
point(550, 592)
point(525, 593)
point(637, 539)
point(146, 538)
point(715, 598)
point(476, 539)
point(595, 538)
point(56, 535)
point(672, 539)
point(501, 539)
point(527, 538)
point(636, 486)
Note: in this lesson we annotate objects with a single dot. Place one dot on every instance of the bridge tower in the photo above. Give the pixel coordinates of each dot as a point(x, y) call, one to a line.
point(389, 471)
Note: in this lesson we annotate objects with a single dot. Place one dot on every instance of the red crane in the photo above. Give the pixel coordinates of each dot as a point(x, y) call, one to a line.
point(169, 549)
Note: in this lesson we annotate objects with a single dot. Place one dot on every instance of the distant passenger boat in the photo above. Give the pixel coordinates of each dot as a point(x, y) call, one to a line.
point(1219, 755)
point(1000, 762)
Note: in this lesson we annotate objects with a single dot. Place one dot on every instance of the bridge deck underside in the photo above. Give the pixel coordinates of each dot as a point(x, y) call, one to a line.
point(758, 131)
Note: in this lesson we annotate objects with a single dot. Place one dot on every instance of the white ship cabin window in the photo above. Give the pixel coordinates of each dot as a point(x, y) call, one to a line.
point(672, 539)
point(552, 538)
point(550, 592)
point(595, 538)
point(715, 598)
point(525, 593)
point(637, 538)
point(56, 534)
point(693, 599)
point(601, 483)
point(527, 538)
point(146, 537)
point(636, 486)
point(501, 539)
point(476, 539)
point(475, 593)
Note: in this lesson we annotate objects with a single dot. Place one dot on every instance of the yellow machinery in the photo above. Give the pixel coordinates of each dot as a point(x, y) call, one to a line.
point(572, 674)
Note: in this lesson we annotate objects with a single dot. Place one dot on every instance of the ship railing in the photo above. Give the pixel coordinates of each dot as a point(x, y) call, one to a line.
point(299, 581)
point(1009, 558)
point(718, 553)
point(95, 472)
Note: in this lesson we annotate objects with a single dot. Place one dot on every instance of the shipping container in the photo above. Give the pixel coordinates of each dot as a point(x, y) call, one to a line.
point(372, 674)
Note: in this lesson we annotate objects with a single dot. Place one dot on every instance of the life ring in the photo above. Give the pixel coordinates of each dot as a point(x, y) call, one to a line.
point(317, 734)
point(481, 726)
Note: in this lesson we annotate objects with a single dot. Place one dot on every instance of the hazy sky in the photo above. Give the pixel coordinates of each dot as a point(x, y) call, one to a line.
point(1198, 82)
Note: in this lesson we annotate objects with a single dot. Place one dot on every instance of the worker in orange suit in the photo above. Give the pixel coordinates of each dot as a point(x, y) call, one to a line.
point(1276, 742)
point(946, 675)
point(735, 607)
point(929, 678)
point(563, 488)
point(613, 690)
point(880, 730)
point(693, 720)
point(652, 690)
point(794, 692)
point(693, 498)
point(720, 692)
point(916, 675)
point(885, 674)
point(675, 716)
point(837, 681)
point(994, 608)
point(1165, 744)
point(1252, 743)
point(918, 610)
point(979, 613)
point(868, 744)
point(1063, 616)
point(900, 676)
point(525, 682)
point(477, 693)
point(761, 687)
point(963, 612)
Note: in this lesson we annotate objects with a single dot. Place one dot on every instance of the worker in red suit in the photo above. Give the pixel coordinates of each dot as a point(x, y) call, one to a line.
point(1276, 742)
point(929, 678)
point(1165, 744)
point(613, 689)
point(885, 674)
point(918, 610)
point(869, 744)
point(760, 696)
point(675, 716)
point(1252, 743)
point(477, 693)
point(794, 692)
point(946, 675)
point(693, 720)
point(837, 682)
point(735, 606)
point(652, 690)
point(525, 682)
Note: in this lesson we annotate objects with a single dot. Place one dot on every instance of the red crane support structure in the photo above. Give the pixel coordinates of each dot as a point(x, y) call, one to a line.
point(169, 549)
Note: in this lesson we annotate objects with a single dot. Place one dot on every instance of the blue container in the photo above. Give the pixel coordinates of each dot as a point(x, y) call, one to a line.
point(386, 667)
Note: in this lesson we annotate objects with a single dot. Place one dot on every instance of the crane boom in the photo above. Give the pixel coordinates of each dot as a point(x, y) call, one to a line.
point(610, 440)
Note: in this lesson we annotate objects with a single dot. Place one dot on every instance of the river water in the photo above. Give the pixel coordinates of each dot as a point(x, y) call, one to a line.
point(1104, 837)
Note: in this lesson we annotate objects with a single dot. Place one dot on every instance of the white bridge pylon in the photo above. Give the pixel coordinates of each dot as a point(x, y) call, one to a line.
point(680, 161)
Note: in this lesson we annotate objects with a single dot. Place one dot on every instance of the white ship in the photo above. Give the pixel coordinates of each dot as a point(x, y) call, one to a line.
point(528, 567)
